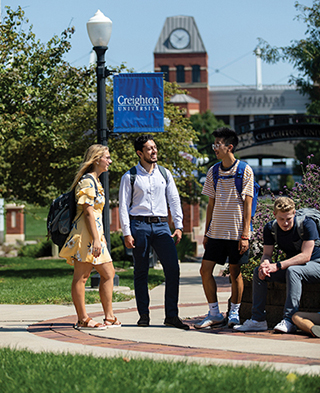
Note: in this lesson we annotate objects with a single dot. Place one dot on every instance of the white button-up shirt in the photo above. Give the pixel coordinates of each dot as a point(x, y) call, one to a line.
point(150, 195)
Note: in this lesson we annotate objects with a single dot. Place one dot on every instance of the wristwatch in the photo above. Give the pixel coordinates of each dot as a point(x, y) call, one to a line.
point(279, 265)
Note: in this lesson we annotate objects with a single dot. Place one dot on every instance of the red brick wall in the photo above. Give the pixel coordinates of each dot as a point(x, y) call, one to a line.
point(19, 221)
point(114, 220)
point(188, 60)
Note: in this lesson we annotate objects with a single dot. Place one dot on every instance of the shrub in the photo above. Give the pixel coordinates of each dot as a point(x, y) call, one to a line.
point(117, 247)
point(38, 250)
point(185, 247)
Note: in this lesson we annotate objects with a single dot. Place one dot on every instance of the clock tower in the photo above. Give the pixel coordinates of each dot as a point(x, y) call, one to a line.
point(180, 54)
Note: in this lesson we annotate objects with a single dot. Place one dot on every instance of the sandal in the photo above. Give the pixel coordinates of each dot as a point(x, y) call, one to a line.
point(84, 325)
point(111, 323)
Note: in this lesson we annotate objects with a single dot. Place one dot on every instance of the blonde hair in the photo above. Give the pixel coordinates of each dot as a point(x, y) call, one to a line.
point(283, 204)
point(93, 153)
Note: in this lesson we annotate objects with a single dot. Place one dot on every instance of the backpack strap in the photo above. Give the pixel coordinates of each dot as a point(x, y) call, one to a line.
point(133, 175)
point(239, 176)
point(88, 176)
point(274, 228)
point(215, 174)
point(163, 172)
point(299, 222)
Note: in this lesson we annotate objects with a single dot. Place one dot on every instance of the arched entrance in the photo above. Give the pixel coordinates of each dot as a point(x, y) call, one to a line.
point(275, 138)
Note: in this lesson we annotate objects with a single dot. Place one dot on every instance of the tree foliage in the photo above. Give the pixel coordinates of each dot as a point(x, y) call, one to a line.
point(48, 119)
point(40, 100)
point(304, 55)
point(205, 124)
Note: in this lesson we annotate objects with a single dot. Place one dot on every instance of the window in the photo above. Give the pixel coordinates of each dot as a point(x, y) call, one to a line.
point(180, 74)
point(238, 120)
point(196, 73)
point(165, 71)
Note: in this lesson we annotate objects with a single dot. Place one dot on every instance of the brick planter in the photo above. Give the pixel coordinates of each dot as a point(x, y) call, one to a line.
point(310, 301)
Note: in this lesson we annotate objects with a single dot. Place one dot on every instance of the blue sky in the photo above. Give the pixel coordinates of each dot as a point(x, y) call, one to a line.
point(229, 29)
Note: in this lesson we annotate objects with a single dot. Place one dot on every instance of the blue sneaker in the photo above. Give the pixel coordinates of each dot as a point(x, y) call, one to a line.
point(233, 319)
point(210, 320)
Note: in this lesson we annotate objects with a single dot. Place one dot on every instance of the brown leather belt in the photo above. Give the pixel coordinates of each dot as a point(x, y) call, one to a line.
point(149, 219)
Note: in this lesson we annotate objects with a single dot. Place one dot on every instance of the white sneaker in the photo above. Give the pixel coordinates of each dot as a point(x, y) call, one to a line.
point(210, 320)
point(285, 326)
point(251, 326)
point(233, 319)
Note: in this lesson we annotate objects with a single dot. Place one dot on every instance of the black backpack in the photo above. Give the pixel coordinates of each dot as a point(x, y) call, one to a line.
point(61, 215)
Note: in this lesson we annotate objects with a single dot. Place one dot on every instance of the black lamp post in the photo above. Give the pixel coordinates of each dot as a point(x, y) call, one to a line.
point(99, 30)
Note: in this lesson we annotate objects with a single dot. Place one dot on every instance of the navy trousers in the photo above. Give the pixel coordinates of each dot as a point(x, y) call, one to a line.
point(159, 237)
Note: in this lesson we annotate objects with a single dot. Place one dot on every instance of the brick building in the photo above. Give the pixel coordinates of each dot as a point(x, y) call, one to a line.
point(181, 55)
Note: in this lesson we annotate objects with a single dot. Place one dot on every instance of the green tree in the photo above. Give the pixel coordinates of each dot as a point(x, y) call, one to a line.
point(41, 97)
point(304, 55)
point(205, 124)
point(48, 119)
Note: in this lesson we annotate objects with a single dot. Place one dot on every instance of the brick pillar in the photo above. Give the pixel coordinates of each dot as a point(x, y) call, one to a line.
point(187, 217)
point(196, 214)
point(14, 223)
point(114, 219)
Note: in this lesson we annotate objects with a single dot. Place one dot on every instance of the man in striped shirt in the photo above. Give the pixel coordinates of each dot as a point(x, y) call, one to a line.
point(227, 227)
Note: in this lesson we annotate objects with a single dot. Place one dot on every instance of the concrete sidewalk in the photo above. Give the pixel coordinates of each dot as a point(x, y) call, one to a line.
point(50, 328)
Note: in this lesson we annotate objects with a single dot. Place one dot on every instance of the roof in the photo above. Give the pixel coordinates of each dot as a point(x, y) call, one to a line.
point(180, 22)
point(183, 99)
point(253, 87)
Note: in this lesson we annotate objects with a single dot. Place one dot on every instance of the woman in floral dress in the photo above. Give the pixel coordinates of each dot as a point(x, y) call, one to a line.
point(86, 245)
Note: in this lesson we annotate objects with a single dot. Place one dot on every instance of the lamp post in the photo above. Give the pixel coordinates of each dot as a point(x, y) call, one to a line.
point(99, 30)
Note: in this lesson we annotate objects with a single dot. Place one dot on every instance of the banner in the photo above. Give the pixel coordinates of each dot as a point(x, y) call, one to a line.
point(138, 102)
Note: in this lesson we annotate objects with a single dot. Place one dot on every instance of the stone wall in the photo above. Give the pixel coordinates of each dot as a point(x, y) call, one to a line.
point(310, 301)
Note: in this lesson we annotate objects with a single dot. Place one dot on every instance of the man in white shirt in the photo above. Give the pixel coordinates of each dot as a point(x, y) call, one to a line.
point(143, 208)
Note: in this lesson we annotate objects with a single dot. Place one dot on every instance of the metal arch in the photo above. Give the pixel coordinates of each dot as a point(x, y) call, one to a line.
point(278, 129)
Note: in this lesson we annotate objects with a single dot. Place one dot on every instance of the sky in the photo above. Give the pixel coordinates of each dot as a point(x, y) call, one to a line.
point(229, 30)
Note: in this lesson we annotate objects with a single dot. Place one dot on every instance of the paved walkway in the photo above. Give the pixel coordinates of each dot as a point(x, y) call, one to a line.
point(50, 328)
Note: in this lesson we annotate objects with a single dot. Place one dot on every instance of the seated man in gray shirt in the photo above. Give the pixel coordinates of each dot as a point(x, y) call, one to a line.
point(302, 264)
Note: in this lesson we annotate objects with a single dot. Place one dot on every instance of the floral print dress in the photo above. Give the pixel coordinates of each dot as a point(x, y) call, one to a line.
point(79, 242)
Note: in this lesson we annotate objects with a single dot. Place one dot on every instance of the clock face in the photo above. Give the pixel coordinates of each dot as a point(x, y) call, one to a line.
point(179, 38)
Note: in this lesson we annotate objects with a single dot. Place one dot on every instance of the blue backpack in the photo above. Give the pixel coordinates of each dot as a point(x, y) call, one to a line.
point(238, 177)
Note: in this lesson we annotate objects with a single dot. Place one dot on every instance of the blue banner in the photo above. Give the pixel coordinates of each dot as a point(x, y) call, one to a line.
point(138, 102)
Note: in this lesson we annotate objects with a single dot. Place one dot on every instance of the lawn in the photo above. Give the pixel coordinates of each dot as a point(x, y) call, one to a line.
point(24, 371)
point(35, 222)
point(48, 281)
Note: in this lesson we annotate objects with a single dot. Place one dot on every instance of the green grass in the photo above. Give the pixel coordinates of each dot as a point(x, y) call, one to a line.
point(156, 277)
point(35, 281)
point(35, 222)
point(24, 371)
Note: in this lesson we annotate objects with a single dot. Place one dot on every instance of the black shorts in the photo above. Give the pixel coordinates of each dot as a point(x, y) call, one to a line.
point(218, 250)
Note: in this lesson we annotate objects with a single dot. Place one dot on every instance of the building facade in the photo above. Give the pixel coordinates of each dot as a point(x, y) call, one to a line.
point(181, 55)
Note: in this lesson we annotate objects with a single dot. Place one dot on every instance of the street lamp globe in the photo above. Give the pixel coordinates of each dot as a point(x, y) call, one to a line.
point(99, 29)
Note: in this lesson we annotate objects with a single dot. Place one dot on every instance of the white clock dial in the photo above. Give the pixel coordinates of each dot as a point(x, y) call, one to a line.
point(179, 38)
